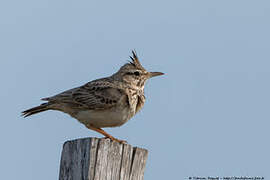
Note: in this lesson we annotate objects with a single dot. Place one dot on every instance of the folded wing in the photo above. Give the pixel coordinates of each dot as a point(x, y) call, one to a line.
point(92, 95)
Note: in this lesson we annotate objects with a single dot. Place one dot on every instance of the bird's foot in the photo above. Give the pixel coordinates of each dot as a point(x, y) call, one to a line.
point(101, 131)
point(114, 139)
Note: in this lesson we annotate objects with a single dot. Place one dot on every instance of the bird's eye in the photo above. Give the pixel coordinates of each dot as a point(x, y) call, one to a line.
point(136, 73)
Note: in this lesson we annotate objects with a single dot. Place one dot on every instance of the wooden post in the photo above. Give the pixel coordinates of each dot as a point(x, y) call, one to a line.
point(101, 159)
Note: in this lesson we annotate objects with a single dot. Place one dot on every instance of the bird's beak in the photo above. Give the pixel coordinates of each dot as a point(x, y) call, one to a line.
point(153, 74)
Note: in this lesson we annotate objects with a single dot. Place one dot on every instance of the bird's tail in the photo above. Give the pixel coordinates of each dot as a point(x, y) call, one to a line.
point(34, 110)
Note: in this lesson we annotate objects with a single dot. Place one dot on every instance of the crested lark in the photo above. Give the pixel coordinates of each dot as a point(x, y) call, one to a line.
point(106, 102)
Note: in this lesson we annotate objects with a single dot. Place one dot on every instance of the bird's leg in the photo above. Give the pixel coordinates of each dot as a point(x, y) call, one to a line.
point(101, 131)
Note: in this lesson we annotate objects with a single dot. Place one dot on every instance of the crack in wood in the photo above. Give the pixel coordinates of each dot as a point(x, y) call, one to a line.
point(101, 159)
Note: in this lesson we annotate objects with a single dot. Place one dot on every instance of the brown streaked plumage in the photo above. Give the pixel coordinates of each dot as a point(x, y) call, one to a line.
point(106, 102)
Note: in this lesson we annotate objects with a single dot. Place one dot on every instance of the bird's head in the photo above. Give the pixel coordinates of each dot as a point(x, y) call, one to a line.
point(134, 74)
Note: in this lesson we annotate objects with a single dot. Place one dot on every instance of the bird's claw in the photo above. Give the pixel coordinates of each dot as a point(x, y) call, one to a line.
point(117, 140)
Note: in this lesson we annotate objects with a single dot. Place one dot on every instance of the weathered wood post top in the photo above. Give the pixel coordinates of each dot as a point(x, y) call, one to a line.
point(101, 159)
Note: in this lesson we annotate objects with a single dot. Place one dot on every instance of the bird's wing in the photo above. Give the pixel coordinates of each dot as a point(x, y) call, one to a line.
point(93, 95)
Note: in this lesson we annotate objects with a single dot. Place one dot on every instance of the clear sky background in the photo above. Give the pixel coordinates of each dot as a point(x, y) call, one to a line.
point(209, 116)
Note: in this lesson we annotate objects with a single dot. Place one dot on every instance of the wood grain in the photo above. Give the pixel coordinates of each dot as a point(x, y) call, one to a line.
point(101, 159)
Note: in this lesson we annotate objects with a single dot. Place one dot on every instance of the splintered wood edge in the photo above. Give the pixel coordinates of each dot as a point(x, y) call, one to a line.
point(98, 159)
point(138, 163)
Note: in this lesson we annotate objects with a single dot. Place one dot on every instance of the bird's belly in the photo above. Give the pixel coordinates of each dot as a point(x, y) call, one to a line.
point(104, 118)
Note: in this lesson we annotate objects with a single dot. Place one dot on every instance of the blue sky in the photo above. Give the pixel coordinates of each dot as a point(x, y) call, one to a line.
point(209, 116)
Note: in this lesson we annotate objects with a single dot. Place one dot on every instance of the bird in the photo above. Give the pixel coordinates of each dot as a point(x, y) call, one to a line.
point(105, 102)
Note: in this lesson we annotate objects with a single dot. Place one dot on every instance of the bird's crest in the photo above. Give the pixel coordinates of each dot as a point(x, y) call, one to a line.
point(135, 61)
